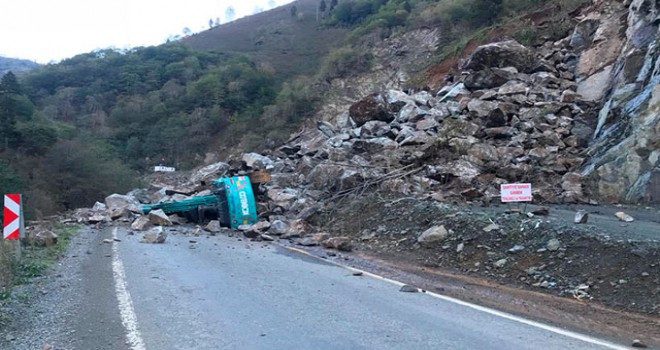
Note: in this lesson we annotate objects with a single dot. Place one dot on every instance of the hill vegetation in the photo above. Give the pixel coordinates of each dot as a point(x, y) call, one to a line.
point(78, 130)
point(16, 66)
point(287, 40)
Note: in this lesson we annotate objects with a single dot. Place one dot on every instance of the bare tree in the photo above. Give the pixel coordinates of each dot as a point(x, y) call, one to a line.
point(321, 9)
point(230, 14)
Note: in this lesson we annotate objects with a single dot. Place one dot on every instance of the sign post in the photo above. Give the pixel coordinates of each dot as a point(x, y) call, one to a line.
point(13, 225)
point(514, 193)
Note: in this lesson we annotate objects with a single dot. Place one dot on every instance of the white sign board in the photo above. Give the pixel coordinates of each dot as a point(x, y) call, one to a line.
point(516, 192)
point(164, 169)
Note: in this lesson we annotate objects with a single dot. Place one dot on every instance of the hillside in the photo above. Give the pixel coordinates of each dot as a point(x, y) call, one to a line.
point(16, 65)
point(290, 44)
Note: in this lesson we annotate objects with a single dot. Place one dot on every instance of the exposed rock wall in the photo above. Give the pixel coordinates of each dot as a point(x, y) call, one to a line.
point(620, 68)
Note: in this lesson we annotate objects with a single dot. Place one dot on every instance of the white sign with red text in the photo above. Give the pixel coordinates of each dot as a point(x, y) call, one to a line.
point(516, 192)
point(164, 169)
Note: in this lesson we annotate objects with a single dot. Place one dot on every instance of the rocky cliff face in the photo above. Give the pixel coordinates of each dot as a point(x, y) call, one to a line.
point(579, 115)
point(619, 68)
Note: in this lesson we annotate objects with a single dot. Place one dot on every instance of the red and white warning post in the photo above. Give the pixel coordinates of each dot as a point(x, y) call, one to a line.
point(516, 192)
point(13, 219)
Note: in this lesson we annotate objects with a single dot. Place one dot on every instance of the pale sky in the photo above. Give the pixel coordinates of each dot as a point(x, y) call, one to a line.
point(51, 30)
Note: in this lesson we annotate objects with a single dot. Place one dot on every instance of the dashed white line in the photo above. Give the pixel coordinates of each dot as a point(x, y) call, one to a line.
point(126, 310)
point(566, 333)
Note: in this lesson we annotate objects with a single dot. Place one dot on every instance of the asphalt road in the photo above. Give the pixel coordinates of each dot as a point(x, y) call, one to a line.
point(226, 293)
point(601, 219)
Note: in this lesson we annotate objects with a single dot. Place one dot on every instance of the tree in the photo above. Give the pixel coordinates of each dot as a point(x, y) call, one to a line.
point(36, 139)
point(321, 9)
point(230, 14)
point(9, 84)
point(9, 108)
point(81, 173)
point(406, 6)
point(333, 4)
point(486, 12)
point(10, 180)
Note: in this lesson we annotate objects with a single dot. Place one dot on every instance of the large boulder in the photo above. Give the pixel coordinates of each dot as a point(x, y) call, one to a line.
point(283, 197)
point(461, 169)
point(313, 239)
point(583, 33)
point(159, 218)
point(374, 128)
point(397, 99)
point(119, 201)
point(488, 78)
point(452, 92)
point(155, 235)
point(594, 87)
point(375, 145)
point(325, 176)
point(210, 172)
point(481, 108)
point(141, 223)
point(257, 161)
point(411, 113)
point(372, 107)
point(434, 234)
point(409, 137)
point(42, 237)
point(339, 243)
point(278, 227)
point(502, 54)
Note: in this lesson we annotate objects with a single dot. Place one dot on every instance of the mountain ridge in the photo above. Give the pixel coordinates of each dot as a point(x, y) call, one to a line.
point(16, 65)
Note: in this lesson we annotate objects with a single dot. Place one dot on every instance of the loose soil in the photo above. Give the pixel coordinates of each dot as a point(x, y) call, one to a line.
point(595, 281)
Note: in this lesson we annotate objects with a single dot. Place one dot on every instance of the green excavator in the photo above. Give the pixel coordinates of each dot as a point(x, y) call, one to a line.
point(232, 203)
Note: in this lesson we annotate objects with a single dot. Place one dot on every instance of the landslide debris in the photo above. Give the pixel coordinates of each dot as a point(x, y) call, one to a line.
point(408, 175)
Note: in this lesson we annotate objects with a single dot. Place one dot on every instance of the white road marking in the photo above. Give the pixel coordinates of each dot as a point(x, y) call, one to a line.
point(128, 317)
point(566, 333)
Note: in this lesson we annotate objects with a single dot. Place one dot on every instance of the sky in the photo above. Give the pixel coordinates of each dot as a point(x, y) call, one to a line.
point(49, 31)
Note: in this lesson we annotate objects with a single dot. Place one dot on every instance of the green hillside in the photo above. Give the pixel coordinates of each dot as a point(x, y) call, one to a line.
point(288, 39)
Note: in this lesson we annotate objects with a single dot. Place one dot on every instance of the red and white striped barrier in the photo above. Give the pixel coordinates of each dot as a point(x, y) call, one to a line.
point(12, 222)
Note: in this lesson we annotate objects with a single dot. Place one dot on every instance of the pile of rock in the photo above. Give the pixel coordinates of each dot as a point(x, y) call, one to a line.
point(513, 116)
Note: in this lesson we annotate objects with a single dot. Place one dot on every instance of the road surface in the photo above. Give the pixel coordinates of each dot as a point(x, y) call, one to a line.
point(223, 292)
